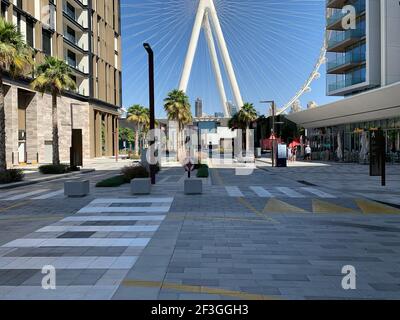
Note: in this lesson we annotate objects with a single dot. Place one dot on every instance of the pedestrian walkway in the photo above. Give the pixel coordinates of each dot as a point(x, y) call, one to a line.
point(91, 251)
point(279, 192)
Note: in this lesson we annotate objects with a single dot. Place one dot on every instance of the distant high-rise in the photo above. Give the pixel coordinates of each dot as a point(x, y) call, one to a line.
point(232, 108)
point(199, 108)
point(219, 114)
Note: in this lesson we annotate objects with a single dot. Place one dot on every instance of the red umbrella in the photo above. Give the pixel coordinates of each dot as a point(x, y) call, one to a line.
point(294, 144)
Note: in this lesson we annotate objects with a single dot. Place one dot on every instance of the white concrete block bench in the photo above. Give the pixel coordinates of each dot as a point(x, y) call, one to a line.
point(193, 186)
point(75, 189)
point(141, 186)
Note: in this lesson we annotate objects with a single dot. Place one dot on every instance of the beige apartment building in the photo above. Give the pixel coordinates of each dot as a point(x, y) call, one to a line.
point(86, 34)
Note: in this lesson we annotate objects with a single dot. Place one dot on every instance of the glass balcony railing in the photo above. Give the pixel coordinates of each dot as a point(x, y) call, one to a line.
point(338, 14)
point(342, 36)
point(345, 60)
point(74, 65)
point(345, 83)
point(75, 42)
point(72, 15)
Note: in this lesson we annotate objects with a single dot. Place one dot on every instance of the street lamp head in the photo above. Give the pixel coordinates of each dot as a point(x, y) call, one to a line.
point(148, 47)
point(268, 101)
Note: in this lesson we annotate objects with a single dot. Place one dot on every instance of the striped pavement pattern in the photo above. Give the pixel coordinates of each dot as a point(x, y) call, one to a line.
point(98, 249)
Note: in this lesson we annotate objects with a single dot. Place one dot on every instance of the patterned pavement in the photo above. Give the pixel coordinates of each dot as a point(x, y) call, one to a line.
point(269, 235)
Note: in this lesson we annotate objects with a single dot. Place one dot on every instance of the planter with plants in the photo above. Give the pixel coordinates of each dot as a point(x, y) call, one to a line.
point(54, 169)
point(111, 182)
point(127, 175)
point(203, 171)
point(12, 175)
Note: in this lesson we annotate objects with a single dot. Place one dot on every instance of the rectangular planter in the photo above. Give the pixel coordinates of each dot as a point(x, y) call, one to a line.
point(76, 188)
point(193, 186)
point(141, 186)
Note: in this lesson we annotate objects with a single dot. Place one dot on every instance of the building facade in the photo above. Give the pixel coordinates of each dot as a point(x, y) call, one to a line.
point(86, 35)
point(366, 57)
point(363, 65)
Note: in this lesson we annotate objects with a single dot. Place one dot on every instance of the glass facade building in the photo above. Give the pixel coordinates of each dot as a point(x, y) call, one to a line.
point(346, 48)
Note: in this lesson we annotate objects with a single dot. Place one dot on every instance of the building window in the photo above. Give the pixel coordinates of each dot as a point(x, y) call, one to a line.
point(70, 10)
point(70, 34)
point(46, 42)
point(3, 10)
point(71, 58)
point(29, 33)
point(19, 4)
point(19, 21)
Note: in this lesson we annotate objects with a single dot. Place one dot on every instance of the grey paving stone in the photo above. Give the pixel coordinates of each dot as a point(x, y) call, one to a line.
point(394, 287)
point(234, 271)
point(290, 277)
point(201, 282)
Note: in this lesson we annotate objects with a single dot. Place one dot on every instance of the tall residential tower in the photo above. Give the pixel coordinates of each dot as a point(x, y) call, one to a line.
point(86, 35)
point(366, 57)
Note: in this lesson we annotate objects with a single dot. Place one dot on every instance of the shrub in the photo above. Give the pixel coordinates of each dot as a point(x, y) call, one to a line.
point(12, 175)
point(54, 169)
point(203, 172)
point(134, 157)
point(132, 172)
point(111, 182)
point(74, 169)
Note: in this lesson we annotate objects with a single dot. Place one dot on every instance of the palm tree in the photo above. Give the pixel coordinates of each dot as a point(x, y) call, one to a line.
point(178, 109)
point(138, 115)
point(54, 76)
point(15, 59)
point(245, 117)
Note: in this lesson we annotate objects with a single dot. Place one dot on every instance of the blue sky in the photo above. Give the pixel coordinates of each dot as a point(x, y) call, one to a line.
point(273, 45)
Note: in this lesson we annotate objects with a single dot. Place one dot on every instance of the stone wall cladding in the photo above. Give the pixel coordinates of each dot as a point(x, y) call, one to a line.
point(39, 126)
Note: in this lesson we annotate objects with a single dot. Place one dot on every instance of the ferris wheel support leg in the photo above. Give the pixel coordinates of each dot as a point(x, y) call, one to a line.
point(215, 64)
point(225, 55)
point(192, 47)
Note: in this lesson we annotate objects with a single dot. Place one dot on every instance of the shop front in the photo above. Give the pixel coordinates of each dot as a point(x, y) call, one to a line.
point(350, 142)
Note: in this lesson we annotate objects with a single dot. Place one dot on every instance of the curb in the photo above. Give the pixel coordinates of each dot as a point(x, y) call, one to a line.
point(45, 179)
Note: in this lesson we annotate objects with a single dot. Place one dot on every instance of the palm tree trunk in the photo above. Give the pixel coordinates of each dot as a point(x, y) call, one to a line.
point(3, 163)
point(137, 141)
point(179, 141)
point(56, 150)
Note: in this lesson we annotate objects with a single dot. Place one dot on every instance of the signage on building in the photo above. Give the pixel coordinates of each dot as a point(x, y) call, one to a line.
point(377, 153)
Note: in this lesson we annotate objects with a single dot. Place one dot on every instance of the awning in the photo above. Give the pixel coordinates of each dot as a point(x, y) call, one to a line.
point(377, 104)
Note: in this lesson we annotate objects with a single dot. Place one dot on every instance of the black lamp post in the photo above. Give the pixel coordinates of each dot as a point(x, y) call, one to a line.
point(151, 104)
point(272, 103)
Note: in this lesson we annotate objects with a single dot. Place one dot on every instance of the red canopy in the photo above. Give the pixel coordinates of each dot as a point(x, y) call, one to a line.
point(294, 144)
point(266, 144)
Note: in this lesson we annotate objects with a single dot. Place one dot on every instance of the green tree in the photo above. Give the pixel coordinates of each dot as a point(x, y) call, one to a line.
point(126, 134)
point(15, 59)
point(138, 115)
point(54, 76)
point(178, 109)
point(247, 115)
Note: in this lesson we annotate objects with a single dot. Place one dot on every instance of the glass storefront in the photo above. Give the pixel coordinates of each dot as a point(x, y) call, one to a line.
point(350, 142)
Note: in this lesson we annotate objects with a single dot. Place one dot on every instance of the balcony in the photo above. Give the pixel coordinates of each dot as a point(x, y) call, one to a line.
point(337, 4)
point(76, 67)
point(332, 87)
point(74, 18)
point(342, 40)
point(345, 63)
point(334, 22)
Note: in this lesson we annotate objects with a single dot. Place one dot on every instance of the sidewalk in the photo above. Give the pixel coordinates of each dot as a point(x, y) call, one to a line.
point(33, 176)
point(37, 177)
point(346, 177)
